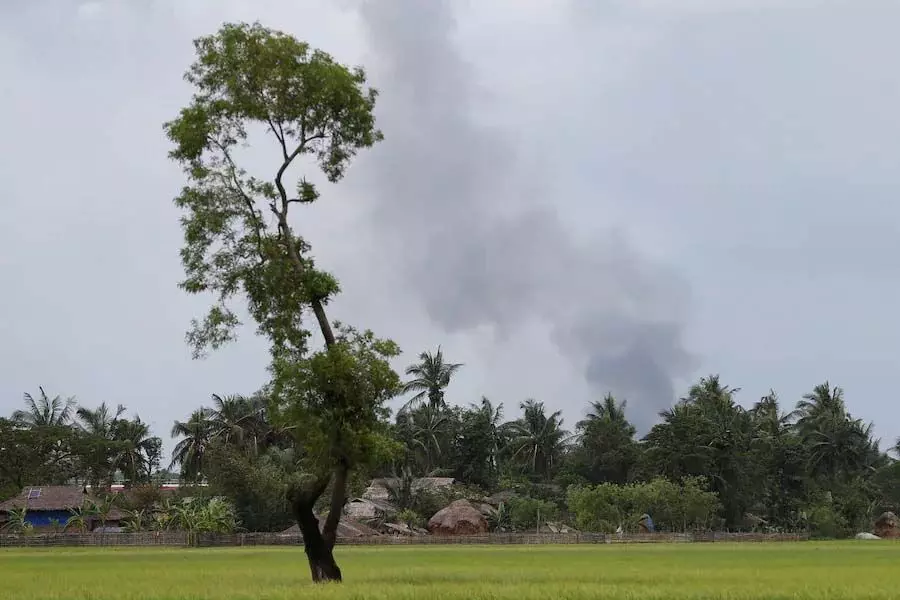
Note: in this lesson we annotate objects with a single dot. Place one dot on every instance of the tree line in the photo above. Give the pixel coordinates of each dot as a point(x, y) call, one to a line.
point(815, 467)
point(54, 441)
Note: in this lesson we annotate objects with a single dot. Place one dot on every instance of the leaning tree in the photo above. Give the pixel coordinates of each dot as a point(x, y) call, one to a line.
point(252, 83)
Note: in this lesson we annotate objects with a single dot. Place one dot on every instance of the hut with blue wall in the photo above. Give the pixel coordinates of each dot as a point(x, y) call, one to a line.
point(50, 504)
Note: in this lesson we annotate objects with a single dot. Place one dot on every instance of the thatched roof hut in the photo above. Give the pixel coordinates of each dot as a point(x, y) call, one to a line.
point(460, 518)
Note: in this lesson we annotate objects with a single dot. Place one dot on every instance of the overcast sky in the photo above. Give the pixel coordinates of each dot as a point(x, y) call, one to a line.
point(572, 196)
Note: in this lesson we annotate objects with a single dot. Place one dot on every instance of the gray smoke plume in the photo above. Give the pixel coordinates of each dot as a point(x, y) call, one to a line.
point(478, 247)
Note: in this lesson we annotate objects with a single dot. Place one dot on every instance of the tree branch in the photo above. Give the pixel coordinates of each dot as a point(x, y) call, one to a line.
point(279, 134)
point(248, 201)
point(293, 253)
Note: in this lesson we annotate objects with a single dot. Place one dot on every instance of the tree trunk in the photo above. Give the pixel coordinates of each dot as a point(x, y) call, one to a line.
point(319, 543)
point(319, 552)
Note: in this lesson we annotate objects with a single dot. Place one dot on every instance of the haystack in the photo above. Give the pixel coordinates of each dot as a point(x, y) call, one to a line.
point(460, 518)
point(887, 526)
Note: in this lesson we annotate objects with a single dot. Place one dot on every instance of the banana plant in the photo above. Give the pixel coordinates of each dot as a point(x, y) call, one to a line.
point(82, 516)
point(18, 521)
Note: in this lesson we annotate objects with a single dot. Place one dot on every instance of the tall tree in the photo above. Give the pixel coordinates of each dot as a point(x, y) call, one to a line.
point(99, 427)
point(190, 451)
point(430, 377)
point(425, 431)
point(235, 420)
point(479, 444)
point(239, 243)
point(137, 450)
point(606, 450)
point(537, 440)
point(708, 434)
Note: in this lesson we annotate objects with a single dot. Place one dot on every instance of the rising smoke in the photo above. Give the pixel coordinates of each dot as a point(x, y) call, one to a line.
point(478, 250)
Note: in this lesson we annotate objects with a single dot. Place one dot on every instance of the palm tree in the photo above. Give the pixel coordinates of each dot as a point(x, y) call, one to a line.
point(493, 418)
point(536, 438)
point(823, 403)
point(235, 420)
point(431, 376)
point(136, 447)
point(44, 411)
point(190, 451)
point(608, 410)
point(99, 426)
point(768, 415)
point(427, 428)
point(99, 422)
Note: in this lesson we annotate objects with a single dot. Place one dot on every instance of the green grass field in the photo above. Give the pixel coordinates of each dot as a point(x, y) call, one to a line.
point(789, 570)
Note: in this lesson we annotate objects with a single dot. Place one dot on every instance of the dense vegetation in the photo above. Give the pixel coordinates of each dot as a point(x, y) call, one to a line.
point(709, 462)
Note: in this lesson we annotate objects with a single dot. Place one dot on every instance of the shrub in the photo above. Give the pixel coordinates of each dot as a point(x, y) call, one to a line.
point(528, 513)
point(673, 506)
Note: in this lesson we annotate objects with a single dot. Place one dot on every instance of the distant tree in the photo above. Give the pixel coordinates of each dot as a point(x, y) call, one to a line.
point(479, 444)
point(431, 376)
point(44, 411)
point(250, 79)
point(233, 418)
point(537, 440)
point(426, 431)
point(190, 451)
point(605, 450)
point(100, 445)
point(137, 450)
point(707, 434)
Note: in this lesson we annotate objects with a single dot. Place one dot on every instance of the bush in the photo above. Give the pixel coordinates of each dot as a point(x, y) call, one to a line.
point(825, 522)
point(410, 518)
point(528, 513)
point(673, 506)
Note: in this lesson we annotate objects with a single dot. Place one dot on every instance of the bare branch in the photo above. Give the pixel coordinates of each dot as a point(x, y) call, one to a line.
point(279, 134)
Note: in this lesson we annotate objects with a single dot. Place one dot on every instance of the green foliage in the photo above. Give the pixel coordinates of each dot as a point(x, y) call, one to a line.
point(887, 481)
point(673, 507)
point(336, 399)
point(536, 442)
point(410, 518)
point(80, 521)
point(825, 521)
point(606, 450)
point(137, 521)
point(430, 377)
point(247, 77)
point(18, 522)
point(478, 445)
point(528, 513)
point(257, 487)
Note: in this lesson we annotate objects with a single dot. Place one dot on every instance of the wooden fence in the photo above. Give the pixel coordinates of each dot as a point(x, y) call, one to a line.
point(207, 540)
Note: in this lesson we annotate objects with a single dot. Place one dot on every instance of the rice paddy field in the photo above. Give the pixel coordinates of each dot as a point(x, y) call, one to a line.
point(785, 570)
